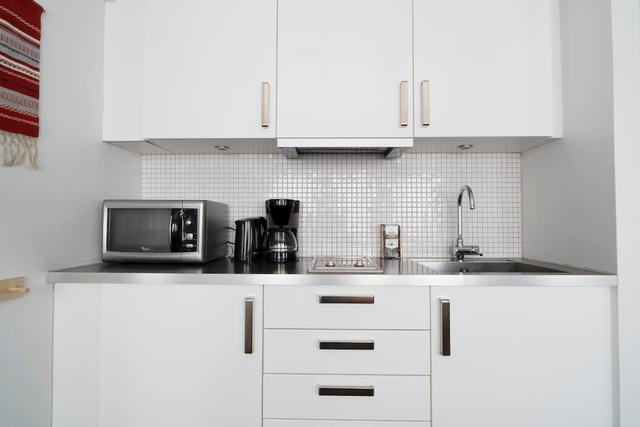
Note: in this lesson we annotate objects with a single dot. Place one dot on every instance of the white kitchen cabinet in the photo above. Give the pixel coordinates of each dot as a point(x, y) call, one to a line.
point(340, 68)
point(210, 69)
point(345, 354)
point(526, 357)
point(123, 71)
point(486, 68)
point(157, 355)
point(360, 74)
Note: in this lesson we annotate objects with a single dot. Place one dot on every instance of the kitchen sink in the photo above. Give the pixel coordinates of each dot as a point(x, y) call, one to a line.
point(488, 267)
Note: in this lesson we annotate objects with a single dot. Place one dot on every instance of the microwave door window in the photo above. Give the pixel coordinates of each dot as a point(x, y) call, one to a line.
point(140, 230)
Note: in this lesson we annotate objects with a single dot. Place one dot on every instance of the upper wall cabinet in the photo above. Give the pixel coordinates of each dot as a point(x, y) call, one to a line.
point(200, 69)
point(344, 68)
point(210, 69)
point(123, 71)
point(350, 73)
point(486, 68)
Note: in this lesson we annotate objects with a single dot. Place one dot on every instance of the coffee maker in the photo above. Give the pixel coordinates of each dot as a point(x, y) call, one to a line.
point(282, 229)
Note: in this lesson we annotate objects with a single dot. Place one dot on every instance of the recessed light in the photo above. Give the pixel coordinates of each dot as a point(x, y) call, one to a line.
point(222, 147)
point(465, 147)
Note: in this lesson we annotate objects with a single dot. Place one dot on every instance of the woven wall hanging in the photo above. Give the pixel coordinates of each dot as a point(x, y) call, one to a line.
point(20, 27)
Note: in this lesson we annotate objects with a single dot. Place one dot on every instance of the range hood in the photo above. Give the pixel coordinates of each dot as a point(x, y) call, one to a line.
point(390, 148)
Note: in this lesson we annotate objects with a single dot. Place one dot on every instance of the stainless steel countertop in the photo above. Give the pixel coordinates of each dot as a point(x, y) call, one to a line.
point(404, 272)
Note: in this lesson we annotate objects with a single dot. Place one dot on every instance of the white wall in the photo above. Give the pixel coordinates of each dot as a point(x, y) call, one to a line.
point(49, 218)
point(568, 201)
point(626, 79)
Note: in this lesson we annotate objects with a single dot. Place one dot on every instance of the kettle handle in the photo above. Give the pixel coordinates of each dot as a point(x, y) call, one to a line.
point(263, 232)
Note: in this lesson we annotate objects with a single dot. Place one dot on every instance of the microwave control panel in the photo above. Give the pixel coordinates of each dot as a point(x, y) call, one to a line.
point(189, 230)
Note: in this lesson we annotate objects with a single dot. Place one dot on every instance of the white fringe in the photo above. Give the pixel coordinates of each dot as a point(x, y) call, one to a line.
point(16, 150)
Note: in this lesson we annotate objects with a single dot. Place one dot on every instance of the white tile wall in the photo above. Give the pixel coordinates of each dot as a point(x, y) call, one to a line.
point(345, 198)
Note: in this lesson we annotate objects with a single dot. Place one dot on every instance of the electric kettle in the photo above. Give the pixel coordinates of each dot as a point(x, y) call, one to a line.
point(250, 237)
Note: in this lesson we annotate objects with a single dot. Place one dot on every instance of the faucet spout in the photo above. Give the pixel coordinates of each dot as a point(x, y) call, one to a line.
point(472, 200)
point(460, 250)
point(472, 206)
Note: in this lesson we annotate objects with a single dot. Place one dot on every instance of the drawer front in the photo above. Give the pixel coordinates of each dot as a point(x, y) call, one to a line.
point(346, 307)
point(289, 351)
point(347, 397)
point(325, 423)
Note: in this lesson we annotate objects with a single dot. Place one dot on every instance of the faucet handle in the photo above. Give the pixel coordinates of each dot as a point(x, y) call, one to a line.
point(475, 250)
point(460, 251)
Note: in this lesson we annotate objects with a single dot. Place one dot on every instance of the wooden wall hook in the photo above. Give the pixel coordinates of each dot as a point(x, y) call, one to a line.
point(12, 288)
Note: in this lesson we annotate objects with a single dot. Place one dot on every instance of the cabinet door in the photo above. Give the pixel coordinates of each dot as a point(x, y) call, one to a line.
point(123, 84)
point(209, 67)
point(340, 68)
point(487, 68)
point(526, 357)
point(160, 356)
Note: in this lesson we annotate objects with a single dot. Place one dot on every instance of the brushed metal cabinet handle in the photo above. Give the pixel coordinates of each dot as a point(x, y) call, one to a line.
point(347, 299)
point(426, 107)
point(347, 345)
point(248, 325)
point(346, 391)
point(445, 312)
point(266, 94)
point(404, 103)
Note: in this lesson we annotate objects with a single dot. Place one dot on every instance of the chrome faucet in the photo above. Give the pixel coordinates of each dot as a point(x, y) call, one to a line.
point(460, 250)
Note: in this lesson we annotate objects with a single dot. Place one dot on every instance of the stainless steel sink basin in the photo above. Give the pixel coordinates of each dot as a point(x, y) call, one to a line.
point(488, 267)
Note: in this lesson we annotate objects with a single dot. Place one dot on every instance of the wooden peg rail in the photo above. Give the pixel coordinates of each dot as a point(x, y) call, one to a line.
point(12, 288)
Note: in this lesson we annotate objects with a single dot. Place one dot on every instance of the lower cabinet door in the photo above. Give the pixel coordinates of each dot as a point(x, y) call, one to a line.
point(326, 423)
point(157, 355)
point(522, 356)
point(347, 397)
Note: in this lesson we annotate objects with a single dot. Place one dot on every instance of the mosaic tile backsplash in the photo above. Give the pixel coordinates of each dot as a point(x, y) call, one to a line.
point(345, 198)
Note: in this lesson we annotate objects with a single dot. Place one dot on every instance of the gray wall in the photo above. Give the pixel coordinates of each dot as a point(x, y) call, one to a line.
point(50, 217)
point(568, 188)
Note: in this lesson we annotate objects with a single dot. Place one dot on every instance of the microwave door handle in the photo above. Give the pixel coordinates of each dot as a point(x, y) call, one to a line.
point(175, 230)
point(171, 229)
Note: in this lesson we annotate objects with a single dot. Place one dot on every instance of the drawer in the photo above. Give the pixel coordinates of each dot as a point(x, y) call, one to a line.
point(325, 423)
point(289, 351)
point(346, 307)
point(347, 397)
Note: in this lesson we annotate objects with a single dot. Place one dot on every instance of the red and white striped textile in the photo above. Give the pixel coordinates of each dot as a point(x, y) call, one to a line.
point(19, 81)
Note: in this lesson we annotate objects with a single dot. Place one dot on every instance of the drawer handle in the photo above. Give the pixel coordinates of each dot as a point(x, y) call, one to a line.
point(248, 325)
point(346, 391)
point(445, 312)
point(347, 299)
point(347, 345)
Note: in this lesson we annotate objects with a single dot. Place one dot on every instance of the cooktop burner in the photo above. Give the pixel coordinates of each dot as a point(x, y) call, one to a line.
point(343, 265)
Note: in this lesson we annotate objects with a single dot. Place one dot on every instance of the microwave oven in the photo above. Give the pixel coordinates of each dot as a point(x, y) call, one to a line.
point(175, 231)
